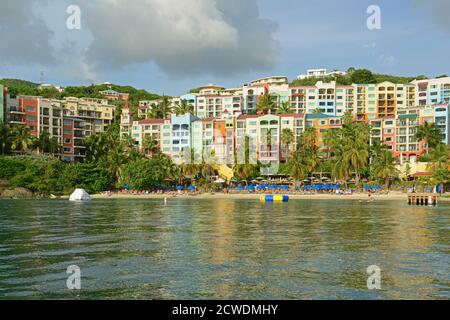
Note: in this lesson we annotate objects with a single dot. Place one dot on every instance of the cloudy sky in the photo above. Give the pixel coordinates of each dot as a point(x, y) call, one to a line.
point(171, 46)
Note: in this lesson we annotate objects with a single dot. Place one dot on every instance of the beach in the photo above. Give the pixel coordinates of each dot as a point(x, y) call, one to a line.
point(394, 196)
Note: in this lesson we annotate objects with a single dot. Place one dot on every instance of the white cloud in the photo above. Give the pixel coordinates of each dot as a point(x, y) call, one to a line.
point(24, 37)
point(181, 37)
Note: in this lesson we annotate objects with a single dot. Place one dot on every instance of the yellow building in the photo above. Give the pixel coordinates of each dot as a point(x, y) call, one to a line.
point(382, 100)
point(97, 113)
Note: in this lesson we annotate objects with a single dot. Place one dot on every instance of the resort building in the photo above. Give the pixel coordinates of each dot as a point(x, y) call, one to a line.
point(97, 113)
point(320, 73)
point(407, 147)
point(327, 98)
point(383, 130)
point(209, 101)
point(147, 129)
point(70, 120)
point(114, 95)
point(296, 124)
point(176, 136)
point(277, 87)
point(442, 120)
point(322, 123)
point(382, 100)
point(432, 91)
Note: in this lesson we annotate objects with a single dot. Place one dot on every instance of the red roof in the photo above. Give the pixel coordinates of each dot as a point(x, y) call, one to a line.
point(295, 115)
point(246, 116)
point(421, 174)
point(209, 119)
point(151, 121)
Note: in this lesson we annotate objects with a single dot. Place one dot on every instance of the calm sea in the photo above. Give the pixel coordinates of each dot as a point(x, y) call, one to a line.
point(223, 249)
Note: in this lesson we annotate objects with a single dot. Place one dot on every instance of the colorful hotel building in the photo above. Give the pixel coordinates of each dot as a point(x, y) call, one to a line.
point(393, 110)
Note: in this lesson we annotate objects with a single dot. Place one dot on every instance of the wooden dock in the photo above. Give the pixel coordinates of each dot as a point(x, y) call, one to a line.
point(423, 199)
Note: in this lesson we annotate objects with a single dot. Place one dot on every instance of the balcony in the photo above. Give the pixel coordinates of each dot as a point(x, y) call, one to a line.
point(16, 110)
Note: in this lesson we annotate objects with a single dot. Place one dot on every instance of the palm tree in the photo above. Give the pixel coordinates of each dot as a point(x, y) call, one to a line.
point(46, 144)
point(350, 148)
point(439, 164)
point(209, 160)
point(347, 118)
point(308, 150)
point(356, 154)
point(284, 108)
point(265, 104)
point(150, 145)
point(98, 146)
point(183, 108)
point(161, 110)
point(5, 138)
point(22, 139)
point(296, 167)
point(164, 107)
point(246, 169)
point(384, 167)
point(287, 138)
point(429, 133)
point(188, 167)
point(114, 162)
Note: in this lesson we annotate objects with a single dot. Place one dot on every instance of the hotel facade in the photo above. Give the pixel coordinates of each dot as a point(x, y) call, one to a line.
point(222, 117)
point(70, 121)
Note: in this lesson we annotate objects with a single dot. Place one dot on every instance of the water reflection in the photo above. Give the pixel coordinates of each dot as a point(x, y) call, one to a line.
point(190, 248)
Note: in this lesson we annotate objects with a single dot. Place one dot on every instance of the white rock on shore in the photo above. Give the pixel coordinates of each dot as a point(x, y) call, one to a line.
point(79, 195)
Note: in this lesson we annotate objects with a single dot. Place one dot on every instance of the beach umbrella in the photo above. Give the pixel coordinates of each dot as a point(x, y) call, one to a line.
point(285, 187)
point(192, 188)
point(180, 187)
point(376, 187)
point(272, 186)
point(239, 188)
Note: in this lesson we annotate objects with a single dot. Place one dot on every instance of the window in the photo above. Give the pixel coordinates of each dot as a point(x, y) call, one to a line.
point(30, 109)
point(31, 118)
point(67, 140)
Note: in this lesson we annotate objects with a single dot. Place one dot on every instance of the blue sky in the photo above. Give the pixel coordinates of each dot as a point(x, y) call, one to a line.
point(170, 46)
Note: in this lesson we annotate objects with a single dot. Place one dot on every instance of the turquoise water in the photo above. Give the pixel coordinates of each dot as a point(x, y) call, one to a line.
point(223, 249)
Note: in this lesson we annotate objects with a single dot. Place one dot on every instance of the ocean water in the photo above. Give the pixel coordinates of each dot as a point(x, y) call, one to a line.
point(223, 249)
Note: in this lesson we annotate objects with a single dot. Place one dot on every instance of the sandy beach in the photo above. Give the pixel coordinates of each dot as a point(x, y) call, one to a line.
point(394, 196)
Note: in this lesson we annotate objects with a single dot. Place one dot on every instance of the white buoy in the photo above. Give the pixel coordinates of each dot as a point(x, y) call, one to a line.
point(80, 195)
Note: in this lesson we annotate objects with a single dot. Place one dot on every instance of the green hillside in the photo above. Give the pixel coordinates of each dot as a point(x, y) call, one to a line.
point(358, 76)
